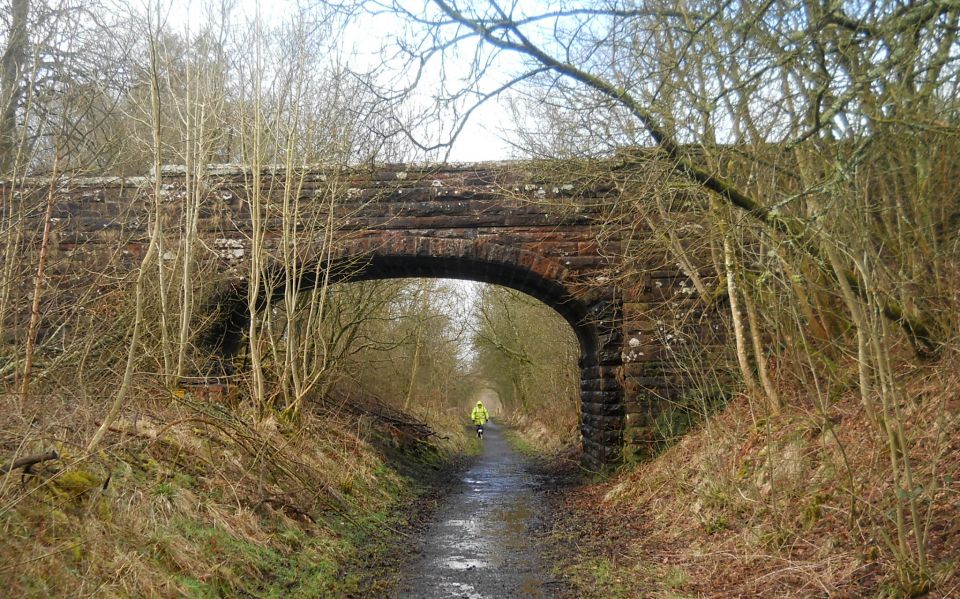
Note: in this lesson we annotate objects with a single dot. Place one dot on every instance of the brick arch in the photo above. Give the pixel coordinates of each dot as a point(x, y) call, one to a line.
point(540, 228)
point(593, 320)
point(428, 257)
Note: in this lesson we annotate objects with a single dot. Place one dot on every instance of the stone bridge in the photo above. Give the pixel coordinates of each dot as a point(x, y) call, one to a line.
point(510, 224)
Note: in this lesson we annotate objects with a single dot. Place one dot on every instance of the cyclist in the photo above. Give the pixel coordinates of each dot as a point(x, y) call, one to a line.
point(479, 415)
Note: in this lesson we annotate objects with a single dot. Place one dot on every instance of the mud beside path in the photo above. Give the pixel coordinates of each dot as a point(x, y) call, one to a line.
point(484, 541)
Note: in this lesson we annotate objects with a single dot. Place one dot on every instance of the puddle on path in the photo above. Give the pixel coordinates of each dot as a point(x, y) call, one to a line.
point(458, 562)
point(480, 546)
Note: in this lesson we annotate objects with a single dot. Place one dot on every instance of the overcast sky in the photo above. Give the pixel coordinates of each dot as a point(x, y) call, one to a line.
point(481, 139)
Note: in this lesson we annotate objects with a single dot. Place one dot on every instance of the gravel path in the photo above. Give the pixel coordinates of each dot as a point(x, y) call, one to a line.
point(481, 545)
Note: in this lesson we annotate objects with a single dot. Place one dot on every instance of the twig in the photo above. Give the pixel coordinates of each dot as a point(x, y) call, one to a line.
point(27, 461)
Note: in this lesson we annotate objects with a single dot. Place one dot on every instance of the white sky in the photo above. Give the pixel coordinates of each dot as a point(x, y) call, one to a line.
point(481, 138)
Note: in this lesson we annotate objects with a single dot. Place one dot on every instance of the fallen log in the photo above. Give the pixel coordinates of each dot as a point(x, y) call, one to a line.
point(27, 461)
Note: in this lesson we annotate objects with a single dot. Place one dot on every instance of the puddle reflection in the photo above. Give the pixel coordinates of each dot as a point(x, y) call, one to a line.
point(459, 589)
point(458, 562)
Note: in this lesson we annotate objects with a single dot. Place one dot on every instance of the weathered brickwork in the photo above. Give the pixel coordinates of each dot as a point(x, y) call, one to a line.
point(673, 347)
point(495, 223)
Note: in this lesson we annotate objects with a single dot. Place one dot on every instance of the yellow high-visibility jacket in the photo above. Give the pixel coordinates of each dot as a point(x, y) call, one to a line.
point(479, 415)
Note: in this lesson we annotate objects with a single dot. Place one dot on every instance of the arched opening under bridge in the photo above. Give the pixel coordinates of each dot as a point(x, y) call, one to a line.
point(594, 319)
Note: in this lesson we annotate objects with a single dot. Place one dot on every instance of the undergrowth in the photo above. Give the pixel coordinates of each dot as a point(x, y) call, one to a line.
point(193, 500)
point(539, 436)
point(754, 505)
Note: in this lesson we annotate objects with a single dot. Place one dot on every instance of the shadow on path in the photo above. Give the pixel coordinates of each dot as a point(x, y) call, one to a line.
point(481, 545)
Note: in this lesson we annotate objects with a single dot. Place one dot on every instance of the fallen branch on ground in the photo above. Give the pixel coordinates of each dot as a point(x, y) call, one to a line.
point(27, 461)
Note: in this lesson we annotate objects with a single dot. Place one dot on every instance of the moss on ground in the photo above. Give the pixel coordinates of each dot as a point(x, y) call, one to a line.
point(225, 511)
point(521, 443)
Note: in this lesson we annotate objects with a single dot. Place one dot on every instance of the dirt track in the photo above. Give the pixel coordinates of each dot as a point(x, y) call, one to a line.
point(482, 544)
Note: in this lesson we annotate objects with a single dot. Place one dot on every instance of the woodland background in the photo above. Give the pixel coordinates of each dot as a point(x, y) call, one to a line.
point(797, 159)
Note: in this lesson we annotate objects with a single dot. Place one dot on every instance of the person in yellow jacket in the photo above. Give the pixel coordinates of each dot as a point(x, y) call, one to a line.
point(479, 415)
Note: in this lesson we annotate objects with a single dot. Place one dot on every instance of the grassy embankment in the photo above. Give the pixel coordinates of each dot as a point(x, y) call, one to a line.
point(800, 504)
point(189, 499)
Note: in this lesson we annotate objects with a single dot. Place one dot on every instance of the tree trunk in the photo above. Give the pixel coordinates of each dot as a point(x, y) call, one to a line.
point(13, 64)
point(38, 288)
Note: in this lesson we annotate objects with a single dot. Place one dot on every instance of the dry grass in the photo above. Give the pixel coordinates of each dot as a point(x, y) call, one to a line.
point(791, 506)
point(190, 499)
point(552, 433)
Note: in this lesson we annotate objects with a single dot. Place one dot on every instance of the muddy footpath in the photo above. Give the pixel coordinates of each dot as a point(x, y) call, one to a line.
point(485, 541)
